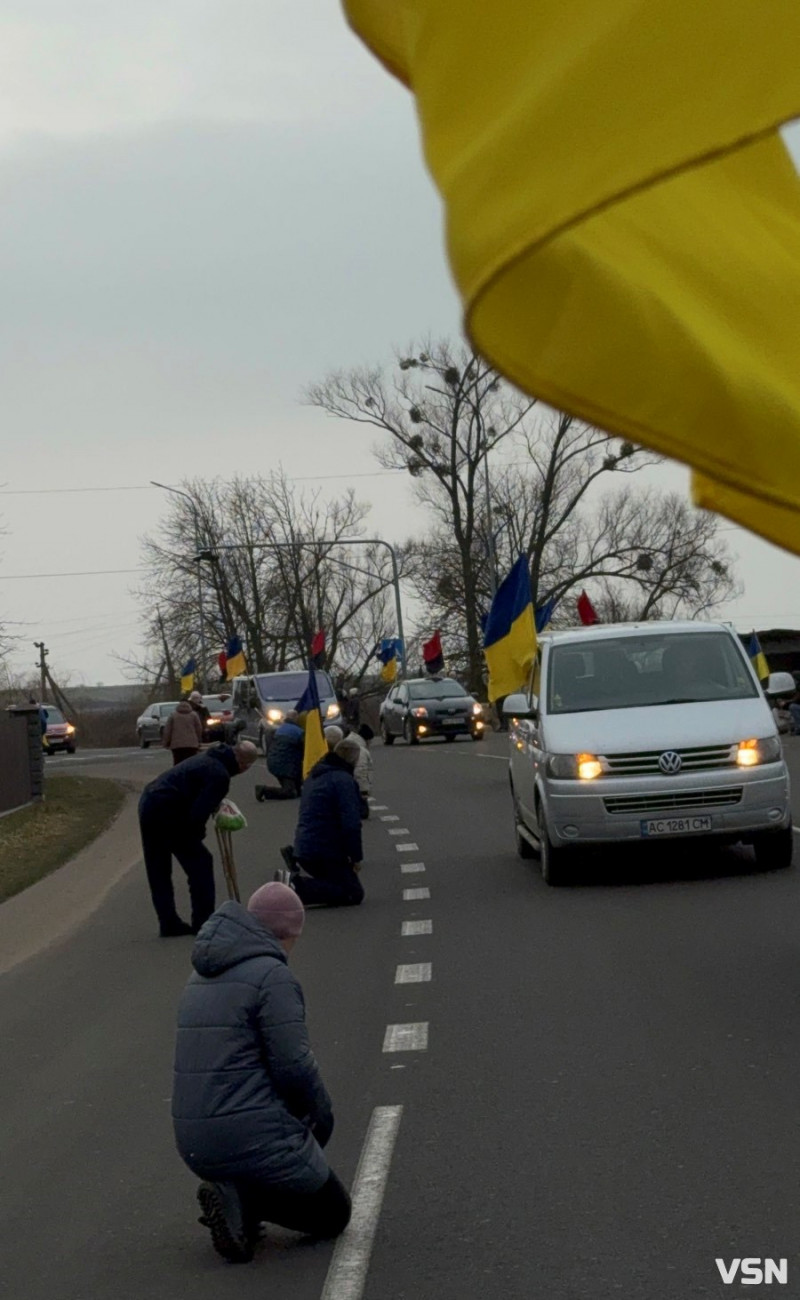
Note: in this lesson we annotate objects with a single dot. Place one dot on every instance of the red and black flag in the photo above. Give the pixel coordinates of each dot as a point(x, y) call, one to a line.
point(318, 649)
point(432, 654)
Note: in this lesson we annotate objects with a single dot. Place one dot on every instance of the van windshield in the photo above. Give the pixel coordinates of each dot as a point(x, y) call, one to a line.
point(288, 687)
point(630, 672)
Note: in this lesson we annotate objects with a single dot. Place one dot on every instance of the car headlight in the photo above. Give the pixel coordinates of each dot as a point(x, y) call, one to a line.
point(213, 722)
point(749, 753)
point(420, 712)
point(275, 715)
point(571, 767)
point(477, 710)
point(332, 711)
point(70, 729)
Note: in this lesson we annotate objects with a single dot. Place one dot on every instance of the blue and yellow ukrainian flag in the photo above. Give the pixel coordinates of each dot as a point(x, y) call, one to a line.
point(187, 676)
point(509, 638)
point(308, 707)
point(757, 658)
point(388, 657)
point(236, 663)
point(623, 217)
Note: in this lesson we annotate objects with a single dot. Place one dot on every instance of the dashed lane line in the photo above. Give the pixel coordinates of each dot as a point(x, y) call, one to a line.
point(408, 867)
point(398, 830)
point(411, 895)
point(416, 927)
point(347, 1274)
point(407, 848)
point(406, 1038)
point(418, 972)
point(390, 817)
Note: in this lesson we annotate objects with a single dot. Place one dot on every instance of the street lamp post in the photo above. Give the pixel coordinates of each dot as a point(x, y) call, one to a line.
point(344, 541)
point(180, 493)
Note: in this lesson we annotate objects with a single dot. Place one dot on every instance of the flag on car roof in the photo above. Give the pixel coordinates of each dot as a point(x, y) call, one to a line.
point(509, 638)
point(309, 709)
point(757, 658)
point(432, 654)
point(318, 649)
point(388, 657)
point(187, 676)
point(623, 217)
point(235, 663)
point(544, 613)
point(586, 611)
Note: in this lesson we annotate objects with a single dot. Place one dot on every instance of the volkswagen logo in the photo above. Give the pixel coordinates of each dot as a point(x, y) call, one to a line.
point(670, 762)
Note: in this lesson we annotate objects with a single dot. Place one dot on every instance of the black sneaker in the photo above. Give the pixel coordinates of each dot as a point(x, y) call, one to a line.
point(261, 793)
point(175, 929)
point(224, 1218)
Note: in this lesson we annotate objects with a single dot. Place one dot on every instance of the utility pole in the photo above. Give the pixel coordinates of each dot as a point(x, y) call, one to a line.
point(42, 666)
point(179, 492)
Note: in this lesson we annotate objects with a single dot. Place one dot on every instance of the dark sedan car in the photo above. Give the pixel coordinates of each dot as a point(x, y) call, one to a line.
point(433, 706)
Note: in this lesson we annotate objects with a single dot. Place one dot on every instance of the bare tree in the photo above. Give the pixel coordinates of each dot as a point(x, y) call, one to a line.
point(292, 572)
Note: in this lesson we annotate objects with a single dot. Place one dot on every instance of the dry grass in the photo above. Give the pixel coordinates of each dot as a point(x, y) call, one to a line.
point(42, 838)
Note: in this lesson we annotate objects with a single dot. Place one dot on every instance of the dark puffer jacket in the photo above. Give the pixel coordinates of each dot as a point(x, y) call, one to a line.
point(285, 757)
point(329, 825)
point(247, 1088)
point(188, 794)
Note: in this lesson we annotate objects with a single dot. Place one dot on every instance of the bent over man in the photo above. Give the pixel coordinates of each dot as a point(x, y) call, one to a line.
point(173, 812)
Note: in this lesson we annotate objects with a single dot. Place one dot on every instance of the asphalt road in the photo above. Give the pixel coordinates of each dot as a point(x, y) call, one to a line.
point(606, 1104)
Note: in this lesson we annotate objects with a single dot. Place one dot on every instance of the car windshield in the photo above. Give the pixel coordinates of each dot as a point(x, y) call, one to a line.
point(629, 672)
point(288, 687)
point(55, 715)
point(216, 704)
point(166, 709)
point(435, 690)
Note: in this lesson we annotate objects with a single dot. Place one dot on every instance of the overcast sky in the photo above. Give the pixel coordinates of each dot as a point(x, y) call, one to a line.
point(203, 206)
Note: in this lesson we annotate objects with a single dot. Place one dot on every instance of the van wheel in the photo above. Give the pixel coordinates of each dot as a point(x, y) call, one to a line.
point(386, 735)
point(774, 849)
point(554, 867)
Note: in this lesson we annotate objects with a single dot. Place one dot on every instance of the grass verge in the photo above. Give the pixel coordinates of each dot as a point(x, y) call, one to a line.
point(37, 840)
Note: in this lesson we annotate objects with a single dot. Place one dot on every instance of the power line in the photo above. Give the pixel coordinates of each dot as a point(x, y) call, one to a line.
point(86, 573)
point(146, 487)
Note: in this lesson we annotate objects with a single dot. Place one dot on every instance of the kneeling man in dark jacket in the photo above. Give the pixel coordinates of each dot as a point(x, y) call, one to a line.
point(250, 1110)
point(285, 761)
point(327, 842)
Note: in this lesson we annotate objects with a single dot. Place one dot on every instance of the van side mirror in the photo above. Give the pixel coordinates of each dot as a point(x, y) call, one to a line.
point(780, 684)
point(520, 705)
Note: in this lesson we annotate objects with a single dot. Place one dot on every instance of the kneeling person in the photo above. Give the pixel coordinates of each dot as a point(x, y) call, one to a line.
point(327, 842)
point(250, 1110)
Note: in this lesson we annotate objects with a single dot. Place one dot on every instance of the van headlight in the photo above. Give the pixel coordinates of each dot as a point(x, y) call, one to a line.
point(275, 715)
point(750, 753)
point(332, 711)
point(575, 767)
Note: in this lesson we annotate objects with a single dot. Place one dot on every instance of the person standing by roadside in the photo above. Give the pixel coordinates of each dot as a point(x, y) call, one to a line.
point(327, 843)
point(183, 732)
point(363, 768)
point(250, 1111)
point(173, 812)
point(196, 701)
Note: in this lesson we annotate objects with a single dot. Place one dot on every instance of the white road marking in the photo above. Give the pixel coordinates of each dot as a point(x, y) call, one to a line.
point(379, 807)
point(390, 817)
point(796, 830)
point(408, 867)
point(398, 830)
point(502, 757)
point(416, 927)
point(418, 972)
point(406, 1038)
point(347, 1274)
point(407, 848)
point(410, 895)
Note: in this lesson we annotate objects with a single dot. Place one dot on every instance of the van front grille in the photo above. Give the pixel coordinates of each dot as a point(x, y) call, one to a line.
point(656, 803)
point(645, 762)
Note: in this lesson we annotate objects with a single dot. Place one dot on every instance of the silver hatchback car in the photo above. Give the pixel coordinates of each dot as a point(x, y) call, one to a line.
point(644, 732)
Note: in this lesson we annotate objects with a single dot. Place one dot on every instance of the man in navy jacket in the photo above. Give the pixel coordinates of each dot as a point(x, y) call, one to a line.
point(173, 812)
point(327, 842)
point(285, 761)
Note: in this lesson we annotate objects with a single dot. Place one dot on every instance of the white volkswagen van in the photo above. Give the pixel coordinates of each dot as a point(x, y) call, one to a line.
point(642, 732)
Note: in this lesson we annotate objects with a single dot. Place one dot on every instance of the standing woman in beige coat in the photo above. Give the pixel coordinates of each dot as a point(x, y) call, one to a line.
point(183, 732)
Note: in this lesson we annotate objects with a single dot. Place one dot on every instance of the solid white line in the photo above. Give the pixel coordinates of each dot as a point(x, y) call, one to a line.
point(416, 927)
point(407, 848)
point(410, 895)
point(398, 830)
point(406, 1038)
point(796, 830)
point(408, 867)
point(502, 757)
point(348, 1269)
point(418, 972)
point(390, 817)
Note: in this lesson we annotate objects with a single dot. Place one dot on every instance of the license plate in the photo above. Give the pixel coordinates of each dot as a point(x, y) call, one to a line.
point(675, 826)
point(451, 722)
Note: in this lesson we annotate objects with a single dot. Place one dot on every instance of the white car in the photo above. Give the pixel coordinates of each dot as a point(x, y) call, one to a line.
point(639, 732)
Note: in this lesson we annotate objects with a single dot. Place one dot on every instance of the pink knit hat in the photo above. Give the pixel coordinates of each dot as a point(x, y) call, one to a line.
point(279, 909)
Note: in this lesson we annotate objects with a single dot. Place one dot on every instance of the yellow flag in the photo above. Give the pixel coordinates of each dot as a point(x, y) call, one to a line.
point(623, 218)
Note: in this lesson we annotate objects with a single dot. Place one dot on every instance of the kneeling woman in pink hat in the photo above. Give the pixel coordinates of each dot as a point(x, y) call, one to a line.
point(250, 1111)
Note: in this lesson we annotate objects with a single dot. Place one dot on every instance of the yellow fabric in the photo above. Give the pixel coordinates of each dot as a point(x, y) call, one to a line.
point(187, 683)
point(389, 670)
point(510, 660)
point(315, 745)
point(236, 666)
point(623, 220)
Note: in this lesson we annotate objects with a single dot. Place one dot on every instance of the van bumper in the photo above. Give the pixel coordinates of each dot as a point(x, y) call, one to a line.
point(740, 803)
